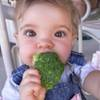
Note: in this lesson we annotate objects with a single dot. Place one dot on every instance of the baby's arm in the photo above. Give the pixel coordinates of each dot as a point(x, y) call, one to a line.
point(92, 84)
point(92, 81)
point(30, 87)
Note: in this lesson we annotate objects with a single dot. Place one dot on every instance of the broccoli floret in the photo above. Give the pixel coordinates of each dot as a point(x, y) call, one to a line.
point(50, 67)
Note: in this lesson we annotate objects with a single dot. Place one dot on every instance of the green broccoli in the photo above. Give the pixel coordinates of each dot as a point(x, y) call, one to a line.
point(50, 67)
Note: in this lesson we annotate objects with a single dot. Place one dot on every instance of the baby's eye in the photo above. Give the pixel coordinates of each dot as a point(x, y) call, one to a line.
point(30, 33)
point(60, 34)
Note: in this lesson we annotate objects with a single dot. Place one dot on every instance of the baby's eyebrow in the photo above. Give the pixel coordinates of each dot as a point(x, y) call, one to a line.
point(26, 26)
point(31, 26)
point(66, 27)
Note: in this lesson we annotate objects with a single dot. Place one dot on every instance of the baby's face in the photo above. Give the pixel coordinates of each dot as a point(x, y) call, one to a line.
point(44, 28)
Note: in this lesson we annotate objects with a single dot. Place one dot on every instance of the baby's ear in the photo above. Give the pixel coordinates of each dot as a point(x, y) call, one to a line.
point(74, 40)
point(75, 36)
point(16, 36)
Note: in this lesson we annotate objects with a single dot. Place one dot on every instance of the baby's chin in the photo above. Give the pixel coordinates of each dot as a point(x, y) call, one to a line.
point(63, 60)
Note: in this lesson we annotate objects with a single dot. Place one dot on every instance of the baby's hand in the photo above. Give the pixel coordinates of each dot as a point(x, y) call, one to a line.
point(96, 60)
point(30, 87)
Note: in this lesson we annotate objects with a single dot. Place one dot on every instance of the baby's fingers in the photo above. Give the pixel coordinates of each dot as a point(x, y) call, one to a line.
point(31, 78)
point(31, 75)
point(27, 91)
point(31, 85)
point(32, 88)
point(31, 72)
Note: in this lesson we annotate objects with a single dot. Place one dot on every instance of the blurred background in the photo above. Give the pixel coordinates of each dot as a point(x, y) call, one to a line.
point(89, 44)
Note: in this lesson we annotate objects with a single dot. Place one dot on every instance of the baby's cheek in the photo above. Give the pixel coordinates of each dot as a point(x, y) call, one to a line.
point(26, 54)
point(66, 53)
point(65, 56)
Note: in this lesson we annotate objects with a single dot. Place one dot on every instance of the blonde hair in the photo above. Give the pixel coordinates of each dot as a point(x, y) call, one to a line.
point(22, 5)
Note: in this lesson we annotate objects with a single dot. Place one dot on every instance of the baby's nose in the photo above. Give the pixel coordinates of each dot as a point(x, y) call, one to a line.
point(42, 44)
